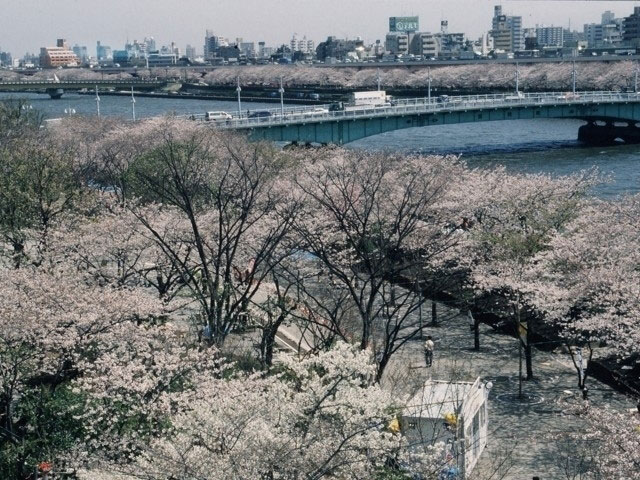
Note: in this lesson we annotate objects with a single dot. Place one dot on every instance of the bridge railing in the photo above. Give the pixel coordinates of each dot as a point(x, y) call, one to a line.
point(420, 106)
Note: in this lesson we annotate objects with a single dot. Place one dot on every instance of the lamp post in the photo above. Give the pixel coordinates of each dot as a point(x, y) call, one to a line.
point(419, 290)
point(378, 79)
point(281, 90)
point(97, 101)
point(573, 76)
point(238, 89)
point(517, 79)
point(133, 105)
point(429, 84)
point(635, 83)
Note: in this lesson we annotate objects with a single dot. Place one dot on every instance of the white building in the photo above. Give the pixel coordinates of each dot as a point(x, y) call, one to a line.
point(302, 45)
point(454, 413)
point(550, 36)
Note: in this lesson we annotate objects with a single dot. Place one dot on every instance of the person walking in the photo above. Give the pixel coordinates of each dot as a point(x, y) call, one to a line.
point(428, 351)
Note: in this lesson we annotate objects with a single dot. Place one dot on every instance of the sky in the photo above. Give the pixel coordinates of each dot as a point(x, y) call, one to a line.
point(27, 25)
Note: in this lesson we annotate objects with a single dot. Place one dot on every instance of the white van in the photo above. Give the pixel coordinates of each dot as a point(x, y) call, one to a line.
point(213, 116)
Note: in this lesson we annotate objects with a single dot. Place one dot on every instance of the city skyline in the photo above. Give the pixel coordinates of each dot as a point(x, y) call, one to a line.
point(27, 26)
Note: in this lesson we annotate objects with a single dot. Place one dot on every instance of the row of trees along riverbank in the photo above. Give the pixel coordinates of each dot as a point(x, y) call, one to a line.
point(463, 78)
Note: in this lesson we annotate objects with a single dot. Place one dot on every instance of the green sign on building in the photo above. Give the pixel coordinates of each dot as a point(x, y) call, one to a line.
point(404, 24)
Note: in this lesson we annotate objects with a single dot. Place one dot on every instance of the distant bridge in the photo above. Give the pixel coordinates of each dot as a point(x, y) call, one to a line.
point(609, 115)
point(56, 88)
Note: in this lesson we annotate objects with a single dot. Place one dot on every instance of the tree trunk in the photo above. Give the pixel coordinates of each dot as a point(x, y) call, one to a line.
point(528, 353)
point(476, 335)
point(268, 341)
point(434, 314)
point(381, 366)
point(269, 338)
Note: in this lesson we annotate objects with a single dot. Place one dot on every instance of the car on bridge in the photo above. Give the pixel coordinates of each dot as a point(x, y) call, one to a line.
point(315, 111)
point(260, 114)
point(214, 116)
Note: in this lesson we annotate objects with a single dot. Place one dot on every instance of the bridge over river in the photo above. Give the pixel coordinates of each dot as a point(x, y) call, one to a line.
point(609, 116)
point(56, 88)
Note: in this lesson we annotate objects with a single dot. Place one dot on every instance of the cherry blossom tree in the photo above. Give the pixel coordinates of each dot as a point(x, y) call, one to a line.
point(230, 196)
point(510, 219)
point(372, 221)
point(49, 326)
point(605, 444)
point(320, 418)
point(588, 281)
point(39, 185)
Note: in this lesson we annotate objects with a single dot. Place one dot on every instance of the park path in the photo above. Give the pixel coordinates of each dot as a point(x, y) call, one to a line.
point(522, 436)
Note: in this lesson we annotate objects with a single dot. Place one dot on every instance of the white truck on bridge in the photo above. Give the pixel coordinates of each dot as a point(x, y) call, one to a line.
point(363, 101)
point(370, 99)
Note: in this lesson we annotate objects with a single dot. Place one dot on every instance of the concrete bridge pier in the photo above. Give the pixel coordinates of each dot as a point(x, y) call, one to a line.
point(55, 93)
point(609, 133)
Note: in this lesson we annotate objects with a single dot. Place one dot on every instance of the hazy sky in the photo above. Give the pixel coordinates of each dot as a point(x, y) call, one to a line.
point(26, 25)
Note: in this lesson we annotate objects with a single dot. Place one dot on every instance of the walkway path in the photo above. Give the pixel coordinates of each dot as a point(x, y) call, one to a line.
point(520, 438)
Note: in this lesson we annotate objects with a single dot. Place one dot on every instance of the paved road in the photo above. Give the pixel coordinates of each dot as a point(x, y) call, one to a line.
point(521, 437)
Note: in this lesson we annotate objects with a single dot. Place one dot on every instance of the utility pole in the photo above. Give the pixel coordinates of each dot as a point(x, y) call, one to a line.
point(238, 89)
point(419, 289)
point(281, 90)
point(573, 75)
point(97, 101)
point(378, 78)
point(517, 79)
point(133, 104)
point(429, 83)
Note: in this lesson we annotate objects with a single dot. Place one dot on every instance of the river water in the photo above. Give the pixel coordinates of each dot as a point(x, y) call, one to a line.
point(547, 146)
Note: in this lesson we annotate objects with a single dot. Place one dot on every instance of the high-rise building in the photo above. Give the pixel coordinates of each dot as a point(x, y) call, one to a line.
point(608, 17)
point(81, 52)
point(631, 28)
point(397, 43)
point(502, 35)
point(150, 43)
point(425, 44)
point(302, 45)
point(58, 56)
point(5, 59)
point(190, 52)
point(512, 23)
point(212, 43)
point(593, 34)
point(103, 52)
point(550, 36)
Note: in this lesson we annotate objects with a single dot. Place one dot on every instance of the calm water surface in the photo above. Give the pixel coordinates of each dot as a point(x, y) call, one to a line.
point(547, 146)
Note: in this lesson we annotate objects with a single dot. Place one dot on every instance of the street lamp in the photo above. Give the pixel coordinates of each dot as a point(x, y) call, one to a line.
point(517, 79)
point(281, 90)
point(429, 83)
point(573, 75)
point(133, 105)
point(97, 101)
point(378, 79)
point(238, 89)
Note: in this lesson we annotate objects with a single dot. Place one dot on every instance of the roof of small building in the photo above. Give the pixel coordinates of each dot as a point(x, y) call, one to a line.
point(437, 398)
